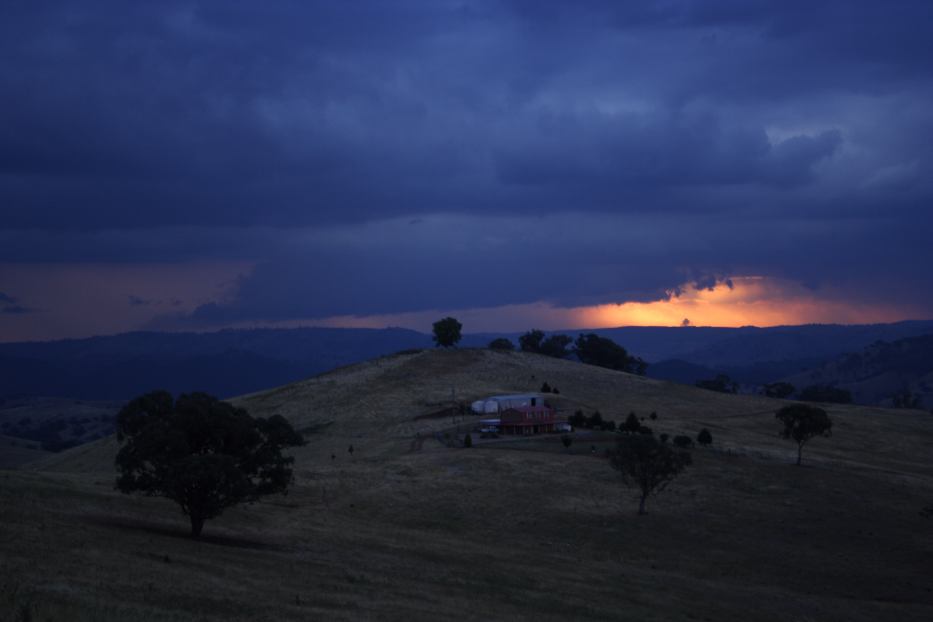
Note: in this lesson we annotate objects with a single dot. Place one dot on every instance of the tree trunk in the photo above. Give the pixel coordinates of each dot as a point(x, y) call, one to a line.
point(799, 452)
point(641, 505)
point(197, 524)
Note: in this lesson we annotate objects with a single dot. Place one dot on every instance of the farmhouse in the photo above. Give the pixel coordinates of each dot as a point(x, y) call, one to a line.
point(524, 413)
point(538, 419)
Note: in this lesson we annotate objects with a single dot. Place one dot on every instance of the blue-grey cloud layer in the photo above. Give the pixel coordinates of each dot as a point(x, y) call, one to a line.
point(565, 151)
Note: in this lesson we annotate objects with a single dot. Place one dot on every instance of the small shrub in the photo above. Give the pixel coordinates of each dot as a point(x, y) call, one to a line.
point(468, 441)
point(704, 438)
point(545, 388)
point(567, 440)
point(683, 442)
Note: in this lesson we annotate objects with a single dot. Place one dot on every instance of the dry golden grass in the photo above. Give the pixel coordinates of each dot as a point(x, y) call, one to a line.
point(501, 531)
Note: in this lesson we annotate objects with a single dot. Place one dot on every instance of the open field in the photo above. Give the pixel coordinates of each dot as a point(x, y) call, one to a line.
point(504, 531)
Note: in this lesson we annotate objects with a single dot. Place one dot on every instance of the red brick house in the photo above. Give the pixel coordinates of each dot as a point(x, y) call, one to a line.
point(537, 419)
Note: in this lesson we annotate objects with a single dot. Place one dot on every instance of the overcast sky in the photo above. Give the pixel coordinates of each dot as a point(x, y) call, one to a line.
point(203, 164)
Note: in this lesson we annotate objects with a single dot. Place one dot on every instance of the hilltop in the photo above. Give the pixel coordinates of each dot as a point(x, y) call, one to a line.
point(232, 362)
point(524, 529)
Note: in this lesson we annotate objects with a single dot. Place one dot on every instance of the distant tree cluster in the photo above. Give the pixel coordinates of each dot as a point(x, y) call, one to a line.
point(721, 383)
point(633, 425)
point(826, 394)
point(546, 388)
point(594, 422)
point(535, 341)
point(595, 350)
point(590, 349)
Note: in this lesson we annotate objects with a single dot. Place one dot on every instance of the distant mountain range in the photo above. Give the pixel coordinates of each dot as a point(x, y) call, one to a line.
point(234, 362)
point(896, 374)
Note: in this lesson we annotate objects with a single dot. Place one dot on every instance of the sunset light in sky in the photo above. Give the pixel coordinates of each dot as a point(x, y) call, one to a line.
point(67, 301)
point(751, 301)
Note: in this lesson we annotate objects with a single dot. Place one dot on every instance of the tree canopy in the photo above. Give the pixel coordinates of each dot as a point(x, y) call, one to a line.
point(501, 343)
point(595, 350)
point(202, 453)
point(802, 422)
point(531, 341)
point(647, 463)
point(556, 346)
point(447, 332)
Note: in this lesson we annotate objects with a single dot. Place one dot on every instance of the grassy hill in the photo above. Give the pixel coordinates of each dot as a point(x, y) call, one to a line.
point(16, 452)
point(53, 424)
point(403, 529)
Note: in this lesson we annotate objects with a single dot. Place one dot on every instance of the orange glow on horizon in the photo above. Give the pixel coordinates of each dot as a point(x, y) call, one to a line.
point(752, 301)
point(85, 300)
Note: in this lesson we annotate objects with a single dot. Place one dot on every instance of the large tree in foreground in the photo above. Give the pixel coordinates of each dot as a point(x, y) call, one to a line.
point(447, 332)
point(647, 463)
point(203, 454)
point(802, 422)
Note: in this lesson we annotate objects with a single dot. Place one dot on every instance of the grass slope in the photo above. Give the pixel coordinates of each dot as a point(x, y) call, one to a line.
point(16, 452)
point(501, 531)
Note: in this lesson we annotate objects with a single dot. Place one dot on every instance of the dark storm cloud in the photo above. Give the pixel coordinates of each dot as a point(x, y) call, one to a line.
point(10, 306)
point(136, 301)
point(562, 151)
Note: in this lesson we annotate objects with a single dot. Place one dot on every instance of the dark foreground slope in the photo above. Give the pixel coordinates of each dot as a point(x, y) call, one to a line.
point(500, 531)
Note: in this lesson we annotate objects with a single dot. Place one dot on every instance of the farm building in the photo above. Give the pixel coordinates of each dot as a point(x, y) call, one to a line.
point(498, 404)
point(537, 419)
point(523, 413)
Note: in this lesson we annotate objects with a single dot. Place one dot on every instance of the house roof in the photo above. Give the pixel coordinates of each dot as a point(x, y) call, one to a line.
point(530, 409)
